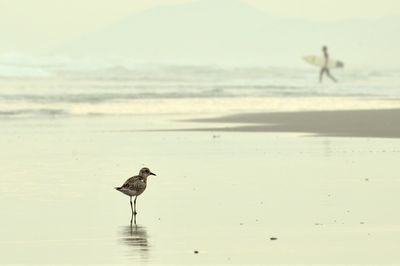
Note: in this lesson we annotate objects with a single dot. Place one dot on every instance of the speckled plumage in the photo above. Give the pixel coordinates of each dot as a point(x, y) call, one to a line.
point(135, 186)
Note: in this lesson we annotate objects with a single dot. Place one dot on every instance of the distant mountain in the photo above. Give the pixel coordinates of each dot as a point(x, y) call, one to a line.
point(231, 32)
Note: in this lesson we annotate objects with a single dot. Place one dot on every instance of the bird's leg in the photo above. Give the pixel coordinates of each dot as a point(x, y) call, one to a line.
point(132, 211)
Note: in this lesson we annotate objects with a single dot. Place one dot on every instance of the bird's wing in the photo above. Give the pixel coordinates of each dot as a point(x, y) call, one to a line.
point(137, 185)
point(134, 183)
point(129, 181)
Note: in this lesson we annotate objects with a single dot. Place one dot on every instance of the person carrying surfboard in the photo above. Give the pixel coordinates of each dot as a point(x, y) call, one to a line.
point(325, 68)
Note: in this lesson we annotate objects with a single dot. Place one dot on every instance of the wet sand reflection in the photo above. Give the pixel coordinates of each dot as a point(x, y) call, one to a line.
point(136, 238)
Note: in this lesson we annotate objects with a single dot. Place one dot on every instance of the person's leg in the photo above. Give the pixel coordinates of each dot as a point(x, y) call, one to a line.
point(330, 76)
point(321, 73)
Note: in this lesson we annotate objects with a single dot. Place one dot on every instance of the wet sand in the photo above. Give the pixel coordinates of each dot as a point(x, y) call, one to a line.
point(351, 123)
point(226, 195)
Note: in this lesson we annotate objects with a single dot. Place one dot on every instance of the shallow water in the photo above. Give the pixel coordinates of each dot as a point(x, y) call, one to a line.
point(326, 200)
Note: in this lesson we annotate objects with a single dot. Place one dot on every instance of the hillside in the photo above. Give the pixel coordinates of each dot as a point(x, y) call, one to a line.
point(231, 32)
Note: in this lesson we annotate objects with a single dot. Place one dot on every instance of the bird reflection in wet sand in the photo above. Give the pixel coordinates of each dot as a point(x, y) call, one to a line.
point(135, 237)
point(135, 186)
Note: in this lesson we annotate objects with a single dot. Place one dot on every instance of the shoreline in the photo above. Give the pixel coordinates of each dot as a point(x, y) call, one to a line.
point(380, 123)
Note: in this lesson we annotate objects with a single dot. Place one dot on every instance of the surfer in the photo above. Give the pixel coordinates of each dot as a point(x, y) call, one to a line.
point(325, 68)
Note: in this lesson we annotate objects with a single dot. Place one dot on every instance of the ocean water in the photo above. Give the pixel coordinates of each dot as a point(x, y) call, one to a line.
point(64, 88)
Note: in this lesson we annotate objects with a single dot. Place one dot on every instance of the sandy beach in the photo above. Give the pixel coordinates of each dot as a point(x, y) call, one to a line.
point(235, 197)
point(338, 123)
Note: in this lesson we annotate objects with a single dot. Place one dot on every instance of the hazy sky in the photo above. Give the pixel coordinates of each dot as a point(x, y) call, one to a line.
point(40, 24)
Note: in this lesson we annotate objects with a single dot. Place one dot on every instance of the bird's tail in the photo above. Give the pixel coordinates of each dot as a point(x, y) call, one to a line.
point(118, 188)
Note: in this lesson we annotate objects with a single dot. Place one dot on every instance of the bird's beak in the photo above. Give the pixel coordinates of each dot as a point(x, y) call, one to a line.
point(153, 174)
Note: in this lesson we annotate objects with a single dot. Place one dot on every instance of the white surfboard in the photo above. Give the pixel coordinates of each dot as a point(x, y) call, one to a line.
point(319, 61)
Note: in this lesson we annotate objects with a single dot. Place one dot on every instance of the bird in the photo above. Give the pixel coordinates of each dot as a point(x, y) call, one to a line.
point(135, 186)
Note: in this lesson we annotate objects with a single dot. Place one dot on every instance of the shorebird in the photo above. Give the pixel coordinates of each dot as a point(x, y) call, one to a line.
point(135, 186)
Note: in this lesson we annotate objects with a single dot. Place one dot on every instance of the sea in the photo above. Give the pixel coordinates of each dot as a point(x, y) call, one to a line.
point(69, 87)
